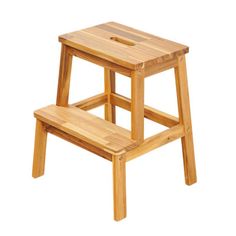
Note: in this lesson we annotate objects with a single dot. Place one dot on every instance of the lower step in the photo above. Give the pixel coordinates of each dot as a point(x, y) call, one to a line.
point(87, 127)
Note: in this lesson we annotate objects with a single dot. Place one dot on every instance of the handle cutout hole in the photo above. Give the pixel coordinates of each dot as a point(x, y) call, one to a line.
point(123, 41)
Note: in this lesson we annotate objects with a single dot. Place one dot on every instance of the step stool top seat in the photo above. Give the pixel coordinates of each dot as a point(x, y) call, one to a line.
point(123, 45)
point(87, 127)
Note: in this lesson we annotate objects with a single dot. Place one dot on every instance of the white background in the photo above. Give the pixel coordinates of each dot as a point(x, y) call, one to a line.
point(74, 197)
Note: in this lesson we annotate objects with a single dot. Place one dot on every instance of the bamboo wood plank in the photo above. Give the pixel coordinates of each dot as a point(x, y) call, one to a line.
point(39, 149)
point(87, 127)
point(149, 112)
point(156, 141)
point(123, 45)
point(119, 187)
point(109, 87)
point(92, 102)
point(137, 106)
point(64, 77)
point(99, 61)
point(185, 119)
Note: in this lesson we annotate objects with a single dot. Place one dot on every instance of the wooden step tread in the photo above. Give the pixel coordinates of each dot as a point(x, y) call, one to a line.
point(123, 45)
point(87, 127)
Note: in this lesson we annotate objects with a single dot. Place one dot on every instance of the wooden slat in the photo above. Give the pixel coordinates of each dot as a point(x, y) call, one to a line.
point(97, 46)
point(91, 102)
point(154, 69)
point(79, 142)
point(109, 87)
point(128, 29)
point(159, 43)
point(156, 141)
point(132, 48)
point(122, 33)
point(100, 61)
point(137, 106)
point(136, 50)
point(185, 119)
point(149, 112)
point(160, 117)
point(87, 127)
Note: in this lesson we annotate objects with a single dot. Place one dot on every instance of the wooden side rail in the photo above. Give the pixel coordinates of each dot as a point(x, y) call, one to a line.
point(156, 141)
point(125, 103)
point(157, 68)
point(149, 112)
point(92, 102)
point(79, 142)
point(149, 70)
point(99, 61)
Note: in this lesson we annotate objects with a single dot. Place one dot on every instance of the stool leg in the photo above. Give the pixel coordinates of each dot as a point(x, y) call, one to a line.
point(137, 106)
point(39, 149)
point(64, 77)
point(185, 119)
point(110, 86)
point(119, 187)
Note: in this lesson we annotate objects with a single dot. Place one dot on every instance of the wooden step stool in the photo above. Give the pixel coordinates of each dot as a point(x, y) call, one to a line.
point(137, 55)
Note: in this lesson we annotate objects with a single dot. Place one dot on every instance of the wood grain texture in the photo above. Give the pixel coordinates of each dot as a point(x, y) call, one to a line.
point(157, 68)
point(109, 87)
point(149, 112)
point(123, 45)
point(137, 106)
point(119, 187)
point(185, 119)
point(64, 77)
point(91, 102)
point(87, 127)
point(156, 141)
point(100, 61)
point(39, 149)
point(79, 142)
point(133, 53)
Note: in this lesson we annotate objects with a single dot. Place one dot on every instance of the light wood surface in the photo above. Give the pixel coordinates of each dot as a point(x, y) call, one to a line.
point(156, 141)
point(185, 119)
point(119, 187)
point(79, 142)
point(109, 87)
point(149, 112)
point(64, 77)
point(87, 127)
point(157, 68)
point(137, 106)
point(123, 45)
point(91, 102)
point(133, 53)
point(100, 61)
point(39, 149)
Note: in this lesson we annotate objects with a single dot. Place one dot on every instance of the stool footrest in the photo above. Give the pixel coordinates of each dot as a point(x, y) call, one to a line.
point(86, 128)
